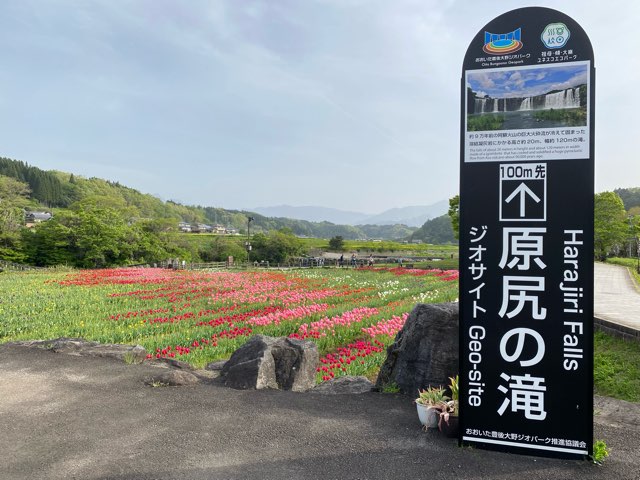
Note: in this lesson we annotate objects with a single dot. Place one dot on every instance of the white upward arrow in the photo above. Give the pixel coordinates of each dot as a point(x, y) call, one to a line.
point(522, 190)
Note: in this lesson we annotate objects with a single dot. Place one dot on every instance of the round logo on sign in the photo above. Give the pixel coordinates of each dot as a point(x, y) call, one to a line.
point(555, 35)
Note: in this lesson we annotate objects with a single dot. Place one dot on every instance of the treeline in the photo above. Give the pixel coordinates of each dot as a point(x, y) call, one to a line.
point(100, 223)
point(54, 189)
point(630, 198)
point(45, 186)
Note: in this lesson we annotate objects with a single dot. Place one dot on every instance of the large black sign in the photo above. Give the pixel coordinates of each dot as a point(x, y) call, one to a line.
point(526, 236)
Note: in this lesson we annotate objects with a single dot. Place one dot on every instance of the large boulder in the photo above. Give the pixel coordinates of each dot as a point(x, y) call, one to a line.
point(268, 362)
point(425, 352)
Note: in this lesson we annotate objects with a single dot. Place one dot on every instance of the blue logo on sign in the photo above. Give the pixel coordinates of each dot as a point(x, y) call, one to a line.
point(502, 43)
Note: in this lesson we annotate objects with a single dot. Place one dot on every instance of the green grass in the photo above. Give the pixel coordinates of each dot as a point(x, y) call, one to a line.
point(630, 263)
point(375, 246)
point(569, 116)
point(479, 123)
point(616, 367)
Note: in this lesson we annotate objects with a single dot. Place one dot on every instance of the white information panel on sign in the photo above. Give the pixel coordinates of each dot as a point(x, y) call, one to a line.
point(536, 112)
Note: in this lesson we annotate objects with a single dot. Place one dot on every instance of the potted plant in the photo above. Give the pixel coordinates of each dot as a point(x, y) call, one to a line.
point(429, 405)
point(448, 423)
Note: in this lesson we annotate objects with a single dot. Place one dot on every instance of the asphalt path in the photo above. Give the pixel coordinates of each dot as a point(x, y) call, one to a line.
point(616, 297)
point(67, 417)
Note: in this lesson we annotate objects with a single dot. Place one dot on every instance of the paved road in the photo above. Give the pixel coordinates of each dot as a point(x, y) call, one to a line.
point(66, 417)
point(617, 299)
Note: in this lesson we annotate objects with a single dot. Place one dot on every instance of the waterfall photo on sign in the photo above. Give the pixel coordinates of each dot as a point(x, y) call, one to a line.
point(527, 97)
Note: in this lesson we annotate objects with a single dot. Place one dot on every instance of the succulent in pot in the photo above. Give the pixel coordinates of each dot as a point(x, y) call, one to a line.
point(448, 423)
point(429, 404)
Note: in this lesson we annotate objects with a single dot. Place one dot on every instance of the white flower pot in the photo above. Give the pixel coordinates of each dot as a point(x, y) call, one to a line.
point(428, 416)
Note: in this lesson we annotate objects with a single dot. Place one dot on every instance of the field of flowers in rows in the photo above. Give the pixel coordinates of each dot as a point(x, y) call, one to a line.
point(198, 317)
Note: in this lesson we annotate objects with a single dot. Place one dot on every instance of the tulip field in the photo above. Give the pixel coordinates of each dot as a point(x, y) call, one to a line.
point(198, 317)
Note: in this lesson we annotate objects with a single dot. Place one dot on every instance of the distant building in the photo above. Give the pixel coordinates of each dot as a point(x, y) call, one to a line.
point(201, 228)
point(184, 227)
point(31, 219)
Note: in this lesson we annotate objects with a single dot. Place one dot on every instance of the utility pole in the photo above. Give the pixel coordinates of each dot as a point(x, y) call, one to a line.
point(630, 235)
point(248, 242)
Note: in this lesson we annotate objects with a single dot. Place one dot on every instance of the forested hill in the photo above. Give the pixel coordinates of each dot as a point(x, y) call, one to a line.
point(630, 198)
point(437, 231)
point(54, 190)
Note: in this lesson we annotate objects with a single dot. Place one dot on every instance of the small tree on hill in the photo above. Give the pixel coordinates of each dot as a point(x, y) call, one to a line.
point(610, 226)
point(336, 243)
point(454, 213)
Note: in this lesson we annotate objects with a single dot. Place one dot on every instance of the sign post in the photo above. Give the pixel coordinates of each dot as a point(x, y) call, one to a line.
point(526, 236)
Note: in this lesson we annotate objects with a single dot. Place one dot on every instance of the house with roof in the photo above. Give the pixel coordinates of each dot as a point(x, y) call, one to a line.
point(31, 219)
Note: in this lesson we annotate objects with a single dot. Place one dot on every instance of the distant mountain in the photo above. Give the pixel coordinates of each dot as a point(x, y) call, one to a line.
point(313, 214)
point(414, 216)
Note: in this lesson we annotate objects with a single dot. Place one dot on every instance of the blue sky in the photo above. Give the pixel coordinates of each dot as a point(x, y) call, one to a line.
point(351, 104)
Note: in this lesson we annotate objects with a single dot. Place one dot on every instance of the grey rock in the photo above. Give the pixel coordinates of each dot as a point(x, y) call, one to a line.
point(173, 378)
point(425, 352)
point(216, 366)
point(267, 362)
point(81, 347)
point(344, 385)
point(173, 363)
point(206, 376)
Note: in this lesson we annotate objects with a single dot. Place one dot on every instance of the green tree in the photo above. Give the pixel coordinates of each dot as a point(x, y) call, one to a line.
point(221, 248)
point(610, 224)
point(336, 243)
point(454, 214)
point(276, 246)
point(14, 198)
point(53, 242)
point(437, 231)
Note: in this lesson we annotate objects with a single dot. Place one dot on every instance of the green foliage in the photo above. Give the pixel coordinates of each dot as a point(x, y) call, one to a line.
point(630, 197)
point(336, 243)
point(480, 123)
point(52, 242)
point(630, 263)
point(93, 236)
point(616, 367)
point(138, 218)
point(276, 247)
point(454, 214)
point(610, 226)
point(432, 396)
point(437, 231)
point(454, 387)
point(600, 451)
point(45, 186)
point(569, 116)
point(14, 199)
point(262, 224)
point(220, 248)
point(391, 388)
